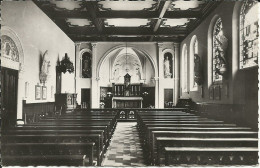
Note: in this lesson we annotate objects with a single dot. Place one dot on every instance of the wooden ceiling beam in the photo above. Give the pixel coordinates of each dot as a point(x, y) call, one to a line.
point(71, 14)
point(121, 39)
point(126, 14)
point(163, 6)
point(128, 31)
point(208, 8)
point(182, 14)
point(92, 10)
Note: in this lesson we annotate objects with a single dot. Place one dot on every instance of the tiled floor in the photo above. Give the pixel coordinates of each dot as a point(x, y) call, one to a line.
point(125, 148)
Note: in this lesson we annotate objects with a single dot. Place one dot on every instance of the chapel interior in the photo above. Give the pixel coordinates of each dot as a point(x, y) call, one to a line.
point(129, 83)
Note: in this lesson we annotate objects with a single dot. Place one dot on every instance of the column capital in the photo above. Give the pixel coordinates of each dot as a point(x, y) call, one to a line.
point(176, 45)
point(156, 78)
point(78, 44)
point(160, 45)
point(21, 68)
point(93, 45)
point(97, 78)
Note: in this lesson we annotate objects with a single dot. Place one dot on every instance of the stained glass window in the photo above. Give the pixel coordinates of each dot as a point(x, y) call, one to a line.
point(184, 68)
point(249, 35)
point(216, 64)
point(195, 52)
point(194, 63)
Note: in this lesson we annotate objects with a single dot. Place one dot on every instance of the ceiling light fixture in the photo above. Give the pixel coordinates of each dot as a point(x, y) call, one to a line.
point(126, 58)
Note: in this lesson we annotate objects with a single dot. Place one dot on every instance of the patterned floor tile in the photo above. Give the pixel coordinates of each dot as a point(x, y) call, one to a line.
point(125, 148)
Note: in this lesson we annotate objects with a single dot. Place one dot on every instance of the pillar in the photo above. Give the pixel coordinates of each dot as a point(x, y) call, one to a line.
point(77, 72)
point(156, 92)
point(95, 91)
point(161, 76)
point(20, 93)
point(177, 72)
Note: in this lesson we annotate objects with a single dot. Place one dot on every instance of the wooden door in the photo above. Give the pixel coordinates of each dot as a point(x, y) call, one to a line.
point(85, 98)
point(168, 98)
point(9, 79)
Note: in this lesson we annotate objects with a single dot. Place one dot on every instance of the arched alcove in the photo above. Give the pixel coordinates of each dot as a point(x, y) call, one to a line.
point(110, 52)
point(85, 63)
point(193, 51)
point(143, 69)
point(184, 68)
point(168, 65)
point(12, 60)
point(8, 36)
point(210, 48)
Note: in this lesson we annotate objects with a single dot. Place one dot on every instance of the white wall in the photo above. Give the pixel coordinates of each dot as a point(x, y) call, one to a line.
point(38, 33)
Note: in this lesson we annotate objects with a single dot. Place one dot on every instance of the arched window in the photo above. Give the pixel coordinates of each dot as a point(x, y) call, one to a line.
point(193, 53)
point(249, 34)
point(184, 68)
point(86, 65)
point(217, 48)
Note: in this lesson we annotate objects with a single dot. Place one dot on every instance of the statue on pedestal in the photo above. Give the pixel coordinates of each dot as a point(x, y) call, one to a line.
point(167, 66)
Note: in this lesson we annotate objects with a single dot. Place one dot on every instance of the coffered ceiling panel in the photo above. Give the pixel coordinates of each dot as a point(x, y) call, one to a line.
point(79, 22)
point(175, 22)
point(127, 5)
point(68, 5)
point(186, 5)
point(127, 20)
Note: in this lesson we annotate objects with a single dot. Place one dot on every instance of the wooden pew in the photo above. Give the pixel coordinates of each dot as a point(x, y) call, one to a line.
point(59, 132)
point(165, 129)
point(152, 145)
point(164, 110)
point(149, 138)
point(167, 114)
point(191, 124)
point(148, 131)
point(176, 119)
point(56, 154)
point(52, 124)
point(111, 123)
point(163, 142)
point(168, 117)
point(211, 156)
point(203, 123)
point(66, 127)
point(61, 138)
point(146, 123)
point(54, 129)
point(81, 117)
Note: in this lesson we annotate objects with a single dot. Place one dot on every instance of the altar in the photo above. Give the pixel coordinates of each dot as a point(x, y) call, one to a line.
point(127, 102)
point(127, 95)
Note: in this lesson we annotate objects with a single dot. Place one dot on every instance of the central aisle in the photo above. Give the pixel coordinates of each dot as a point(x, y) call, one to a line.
point(125, 148)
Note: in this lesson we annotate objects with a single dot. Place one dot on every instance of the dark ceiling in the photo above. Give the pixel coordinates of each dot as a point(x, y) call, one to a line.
point(127, 20)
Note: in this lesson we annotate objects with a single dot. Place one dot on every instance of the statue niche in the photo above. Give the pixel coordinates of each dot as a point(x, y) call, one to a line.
point(168, 65)
point(86, 65)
